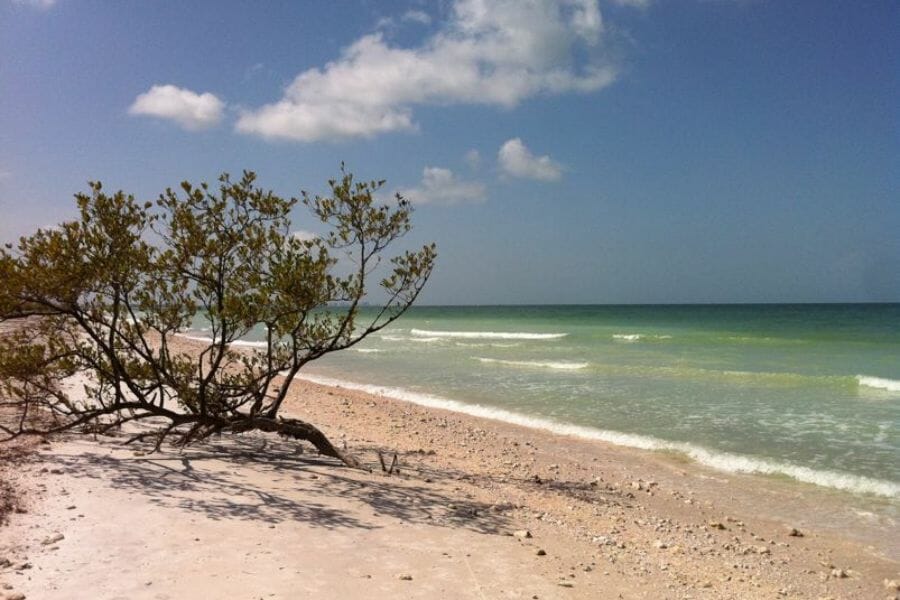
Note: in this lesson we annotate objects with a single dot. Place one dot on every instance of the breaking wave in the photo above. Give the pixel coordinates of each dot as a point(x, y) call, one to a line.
point(880, 383)
point(636, 337)
point(559, 365)
point(487, 335)
point(393, 338)
point(486, 345)
point(400, 338)
point(209, 340)
point(196, 338)
point(248, 344)
point(723, 461)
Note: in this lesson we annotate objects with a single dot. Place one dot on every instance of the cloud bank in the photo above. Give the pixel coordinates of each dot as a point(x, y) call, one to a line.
point(492, 52)
point(190, 110)
point(516, 160)
point(441, 186)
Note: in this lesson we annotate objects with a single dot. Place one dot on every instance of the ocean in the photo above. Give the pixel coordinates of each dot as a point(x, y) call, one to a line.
point(808, 392)
point(801, 391)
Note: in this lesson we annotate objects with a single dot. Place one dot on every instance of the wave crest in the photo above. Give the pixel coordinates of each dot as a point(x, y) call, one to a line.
point(488, 335)
point(636, 337)
point(880, 383)
point(723, 461)
point(559, 365)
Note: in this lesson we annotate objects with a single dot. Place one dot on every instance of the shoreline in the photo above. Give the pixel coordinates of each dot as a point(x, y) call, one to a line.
point(610, 520)
point(856, 486)
point(781, 498)
point(869, 479)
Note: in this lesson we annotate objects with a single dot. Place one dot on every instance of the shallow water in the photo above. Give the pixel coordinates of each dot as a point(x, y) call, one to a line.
point(810, 392)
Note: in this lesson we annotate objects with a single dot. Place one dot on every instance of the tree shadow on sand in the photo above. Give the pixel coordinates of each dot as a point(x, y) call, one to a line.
point(254, 478)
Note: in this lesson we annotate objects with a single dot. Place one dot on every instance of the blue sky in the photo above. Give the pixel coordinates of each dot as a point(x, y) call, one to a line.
point(557, 151)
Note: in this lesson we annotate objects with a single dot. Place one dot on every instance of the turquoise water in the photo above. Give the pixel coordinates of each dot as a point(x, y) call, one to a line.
point(807, 391)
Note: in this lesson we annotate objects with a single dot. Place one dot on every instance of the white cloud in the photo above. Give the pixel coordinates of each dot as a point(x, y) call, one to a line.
point(39, 4)
point(303, 235)
point(417, 16)
point(189, 109)
point(494, 52)
point(473, 158)
point(441, 186)
point(316, 121)
point(518, 161)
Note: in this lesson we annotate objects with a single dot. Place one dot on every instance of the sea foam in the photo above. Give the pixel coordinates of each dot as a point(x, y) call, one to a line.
point(421, 340)
point(881, 383)
point(209, 340)
point(196, 338)
point(249, 344)
point(543, 364)
point(488, 335)
point(723, 461)
point(487, 345)
point(636, 337)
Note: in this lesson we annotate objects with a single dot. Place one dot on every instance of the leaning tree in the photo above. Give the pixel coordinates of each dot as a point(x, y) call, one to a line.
point(107, 295)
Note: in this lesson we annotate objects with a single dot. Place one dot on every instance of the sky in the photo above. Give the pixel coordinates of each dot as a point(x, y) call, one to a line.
point(557, 151)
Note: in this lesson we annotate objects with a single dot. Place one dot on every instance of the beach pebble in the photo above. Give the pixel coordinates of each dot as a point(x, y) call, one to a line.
point(16, 596)
point(892, 584)
point(541, 552)
point(522, 533)
point(661, 545)
point(794, 532)
point(716, 525)
point(839, 573)
point(404, 577)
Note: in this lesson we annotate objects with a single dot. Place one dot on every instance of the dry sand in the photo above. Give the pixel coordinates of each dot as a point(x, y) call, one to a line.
point(480, 509)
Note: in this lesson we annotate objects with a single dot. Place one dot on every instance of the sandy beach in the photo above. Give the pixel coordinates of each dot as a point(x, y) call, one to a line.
point(478, 509)
point(449, 300)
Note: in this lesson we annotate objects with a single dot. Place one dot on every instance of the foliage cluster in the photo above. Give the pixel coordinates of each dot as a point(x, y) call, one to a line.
point(107, 294)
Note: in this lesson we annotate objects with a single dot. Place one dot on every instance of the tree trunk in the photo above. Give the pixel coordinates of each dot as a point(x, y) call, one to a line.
point(299, 430)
